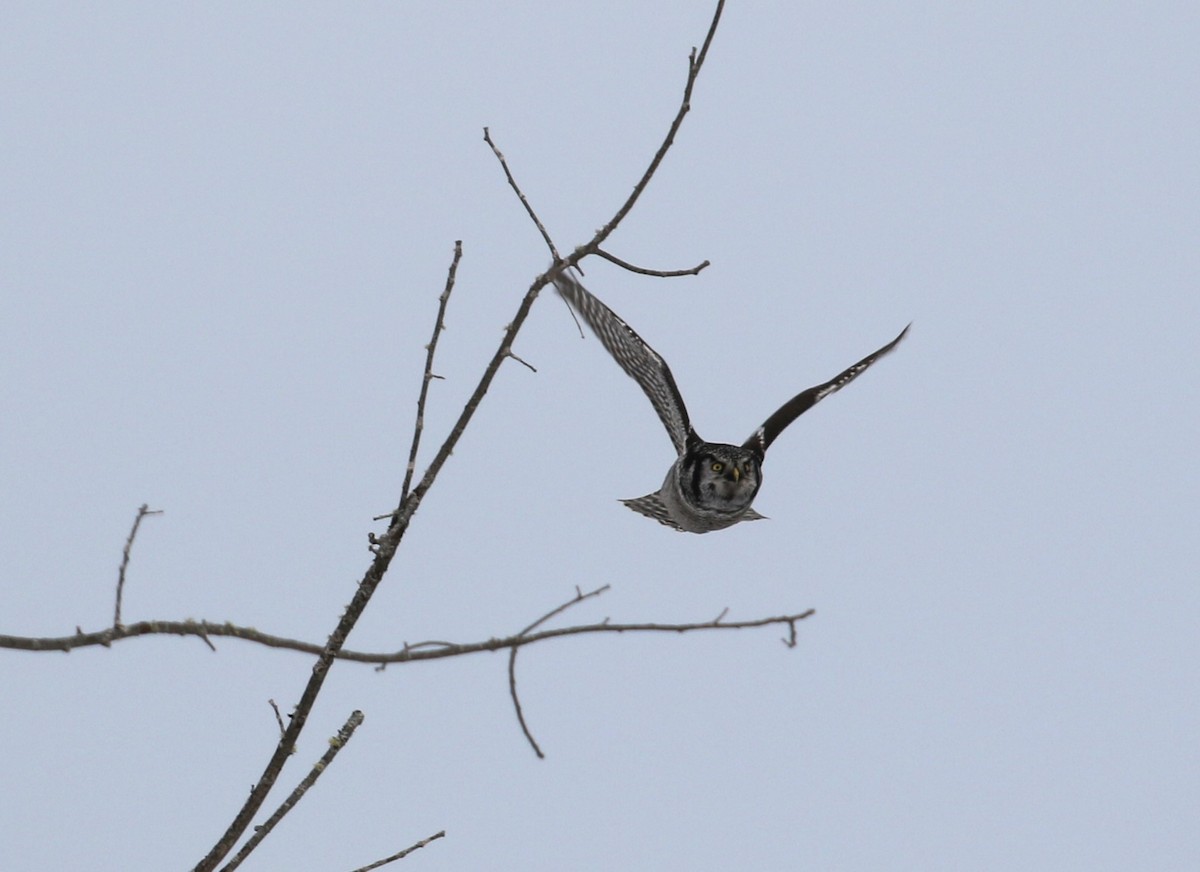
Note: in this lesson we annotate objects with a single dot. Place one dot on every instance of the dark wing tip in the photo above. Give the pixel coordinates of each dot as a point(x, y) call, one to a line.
point(762, 438)
point(895, 341)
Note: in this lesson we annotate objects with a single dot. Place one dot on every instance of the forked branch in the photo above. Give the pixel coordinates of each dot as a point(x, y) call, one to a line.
point(579, 597)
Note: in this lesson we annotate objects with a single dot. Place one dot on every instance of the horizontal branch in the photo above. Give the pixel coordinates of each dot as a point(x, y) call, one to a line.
point(207, 630)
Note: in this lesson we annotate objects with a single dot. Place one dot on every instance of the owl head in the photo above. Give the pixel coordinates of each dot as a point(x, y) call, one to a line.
point(722, 477)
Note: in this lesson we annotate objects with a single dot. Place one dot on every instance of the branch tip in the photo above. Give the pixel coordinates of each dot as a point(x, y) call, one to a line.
point(402, 854)
point(671, 273)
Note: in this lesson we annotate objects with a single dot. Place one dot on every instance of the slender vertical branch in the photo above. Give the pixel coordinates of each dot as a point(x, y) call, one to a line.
point(143, 511)
point(438, 325)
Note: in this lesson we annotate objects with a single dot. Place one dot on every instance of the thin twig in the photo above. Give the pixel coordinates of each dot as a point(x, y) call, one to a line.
point(402, 854)
point(523, 363)
point(571, 311)
point(263, 830)
point(143, 511)
point(662, 273)
point(579, 597)
point(278, 716)
point(439, 324)
point(428, 643)
point(512, 691)
point(790, 641)
point(487, 137)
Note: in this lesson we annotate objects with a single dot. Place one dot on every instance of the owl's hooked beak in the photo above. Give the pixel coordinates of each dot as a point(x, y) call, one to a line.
point(736, 473)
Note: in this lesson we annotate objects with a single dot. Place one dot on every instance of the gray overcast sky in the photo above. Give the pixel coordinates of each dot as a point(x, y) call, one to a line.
point(223, 235)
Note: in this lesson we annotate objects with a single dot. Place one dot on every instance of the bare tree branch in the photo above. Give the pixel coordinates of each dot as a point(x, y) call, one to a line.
point(487, 137)
point(439, 324)
point(402, 854)
point(263, 830)
point(143, 511)
point(666, 274)
point(579, 597)
point(512, 690)
point(523, 363)
point(428, 650)
point(278, 717)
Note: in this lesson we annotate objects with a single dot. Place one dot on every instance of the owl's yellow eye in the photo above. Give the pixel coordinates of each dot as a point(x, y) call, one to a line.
point(717, 467)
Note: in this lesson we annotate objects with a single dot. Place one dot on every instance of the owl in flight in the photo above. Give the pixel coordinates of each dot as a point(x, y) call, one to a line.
point(710, 485)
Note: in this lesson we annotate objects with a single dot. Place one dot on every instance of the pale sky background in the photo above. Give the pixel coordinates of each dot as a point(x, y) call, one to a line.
point(224, 231)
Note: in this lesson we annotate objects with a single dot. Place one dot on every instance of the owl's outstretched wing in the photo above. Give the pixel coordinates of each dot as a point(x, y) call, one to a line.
point(802, 402)
point(652, 506)
point(638, 359)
